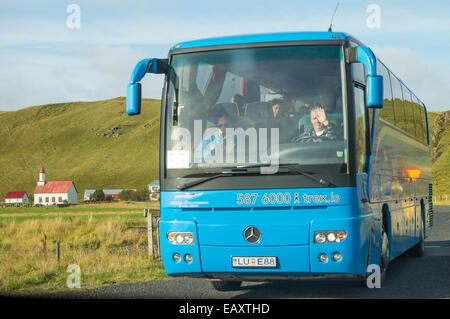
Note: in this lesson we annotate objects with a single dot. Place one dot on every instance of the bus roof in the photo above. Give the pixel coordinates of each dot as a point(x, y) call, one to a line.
point(261, 38)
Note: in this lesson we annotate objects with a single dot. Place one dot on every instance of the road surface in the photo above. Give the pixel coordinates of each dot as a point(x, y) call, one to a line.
point(408, 277)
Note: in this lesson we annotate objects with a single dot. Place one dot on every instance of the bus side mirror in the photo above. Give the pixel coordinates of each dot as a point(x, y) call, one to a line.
point(134, 91)
point(374, 91)
point(134, 98)
point(374, 82)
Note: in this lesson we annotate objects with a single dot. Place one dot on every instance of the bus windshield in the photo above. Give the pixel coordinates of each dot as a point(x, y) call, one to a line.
point(246, 107)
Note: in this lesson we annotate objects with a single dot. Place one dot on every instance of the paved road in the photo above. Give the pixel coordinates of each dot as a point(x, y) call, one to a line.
point(426, 277)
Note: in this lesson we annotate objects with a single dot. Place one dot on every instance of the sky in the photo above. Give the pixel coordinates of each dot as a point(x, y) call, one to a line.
point(54, 51)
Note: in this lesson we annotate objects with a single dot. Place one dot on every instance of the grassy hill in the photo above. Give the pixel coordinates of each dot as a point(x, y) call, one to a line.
point(94, 144)
point(440, 141)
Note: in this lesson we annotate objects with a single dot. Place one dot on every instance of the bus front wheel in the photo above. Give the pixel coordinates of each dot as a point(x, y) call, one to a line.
point(419, 249)
point(369, 280)
point(384, 251)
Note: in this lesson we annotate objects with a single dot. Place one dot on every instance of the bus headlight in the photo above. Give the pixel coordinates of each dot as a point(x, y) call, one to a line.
point(320, 238)
point(333, 236)
point(181, 238)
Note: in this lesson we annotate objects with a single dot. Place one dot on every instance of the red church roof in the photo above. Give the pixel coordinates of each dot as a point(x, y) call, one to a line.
point(42, 170)
point(53, 187)
point(11, 195)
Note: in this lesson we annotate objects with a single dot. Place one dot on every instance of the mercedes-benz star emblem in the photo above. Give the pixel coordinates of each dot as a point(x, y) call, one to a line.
point(252, 234)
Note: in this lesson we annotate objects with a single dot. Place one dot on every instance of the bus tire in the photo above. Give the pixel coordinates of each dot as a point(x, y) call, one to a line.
point(223, 285)
point(385, 249)
point(385, 255)
point(419, 249)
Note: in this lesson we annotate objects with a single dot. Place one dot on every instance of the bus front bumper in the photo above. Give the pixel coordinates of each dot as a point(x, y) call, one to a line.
point(299, 260)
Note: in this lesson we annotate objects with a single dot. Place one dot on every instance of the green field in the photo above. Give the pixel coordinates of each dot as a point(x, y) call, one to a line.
point(108, 243)
point(94, 144)
point(440, 142)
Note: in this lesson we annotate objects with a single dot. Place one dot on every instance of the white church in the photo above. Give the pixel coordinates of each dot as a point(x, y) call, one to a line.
point(53, 193)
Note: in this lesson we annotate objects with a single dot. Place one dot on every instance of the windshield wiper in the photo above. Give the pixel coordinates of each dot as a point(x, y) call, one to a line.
point(296, 169)
point(229, 173)
point(244, 170)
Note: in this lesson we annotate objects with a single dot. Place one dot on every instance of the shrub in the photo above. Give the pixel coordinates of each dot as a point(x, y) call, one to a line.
point(98, 196)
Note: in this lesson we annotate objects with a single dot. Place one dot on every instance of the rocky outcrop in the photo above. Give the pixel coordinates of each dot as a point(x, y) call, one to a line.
point(109, 132)
point(440, 128)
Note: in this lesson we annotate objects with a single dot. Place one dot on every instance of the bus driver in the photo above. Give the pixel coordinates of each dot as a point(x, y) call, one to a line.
point(322, 129)
point(210, 144)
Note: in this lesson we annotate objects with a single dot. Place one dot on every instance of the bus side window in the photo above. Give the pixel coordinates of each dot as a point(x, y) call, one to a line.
point(418, 118)
point(399, 111)
point(410, 126)
point(424, 121)
point(360, 127)
point(358, 73)
point(387, 111)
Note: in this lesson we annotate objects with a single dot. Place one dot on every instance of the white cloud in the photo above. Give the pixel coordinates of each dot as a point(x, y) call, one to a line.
point(428, 78)
point(80, 73)
point(43, 61)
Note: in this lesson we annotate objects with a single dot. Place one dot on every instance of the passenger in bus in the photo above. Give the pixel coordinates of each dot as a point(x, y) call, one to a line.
point(279, 118)
point(239, 100)
point(210, 144)
point(322, 129)
point(278, 112)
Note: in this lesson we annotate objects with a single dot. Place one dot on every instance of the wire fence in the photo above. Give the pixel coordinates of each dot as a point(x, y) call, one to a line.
point(441, 198)
point(145, 240)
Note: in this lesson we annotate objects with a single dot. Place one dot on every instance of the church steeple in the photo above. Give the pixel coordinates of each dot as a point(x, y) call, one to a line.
point(41, 181)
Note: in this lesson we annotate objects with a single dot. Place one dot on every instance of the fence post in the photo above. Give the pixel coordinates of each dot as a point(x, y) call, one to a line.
point(158, 252)
point(58, 249)
point(150, 234)
point(156, 248)
point(44, 245)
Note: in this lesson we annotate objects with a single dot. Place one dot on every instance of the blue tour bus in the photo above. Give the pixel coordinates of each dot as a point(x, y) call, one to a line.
point(335, 180)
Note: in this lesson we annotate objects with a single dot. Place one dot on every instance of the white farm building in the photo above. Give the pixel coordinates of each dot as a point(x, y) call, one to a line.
point(53, 193)
point(16, 197)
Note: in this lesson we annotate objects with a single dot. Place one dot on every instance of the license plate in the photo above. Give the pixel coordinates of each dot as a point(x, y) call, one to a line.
point(254, 262)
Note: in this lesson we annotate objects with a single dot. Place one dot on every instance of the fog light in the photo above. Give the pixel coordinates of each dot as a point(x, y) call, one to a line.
point(176, 257)
point(323, 258)
point(188, 258)
point(337, 257)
